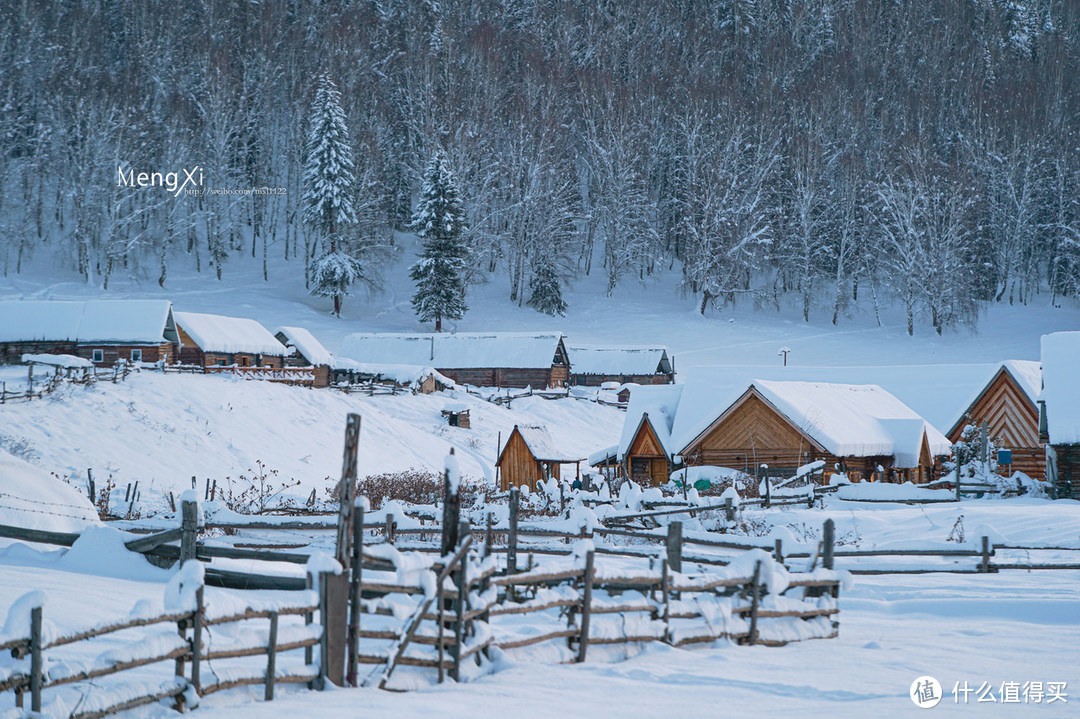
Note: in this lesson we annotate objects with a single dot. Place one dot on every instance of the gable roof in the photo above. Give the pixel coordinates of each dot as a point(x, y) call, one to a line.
point(540, 443)
point(656, 404)
point(94, 321)
point(459, 350)
point(218, 333)
point(848, 420)
point(1061, 386)
point(1026, 373)
point(623, 360)
point(305, 343)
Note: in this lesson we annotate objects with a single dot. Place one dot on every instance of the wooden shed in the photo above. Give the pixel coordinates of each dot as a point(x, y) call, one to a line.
point(102, 331)
point(217, 340)
point(529, 456)
point(303, 350)
point(482, 359)
point(1060, 420)
point(1008, 403)
point(593, 365)
point(646, 461)
point(645, 453)
point(860, 430)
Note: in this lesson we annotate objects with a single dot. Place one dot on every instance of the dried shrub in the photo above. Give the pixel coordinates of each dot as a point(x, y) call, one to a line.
point(416, 486)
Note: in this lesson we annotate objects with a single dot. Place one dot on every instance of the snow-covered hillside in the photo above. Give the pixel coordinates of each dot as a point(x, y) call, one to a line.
point(163, 429)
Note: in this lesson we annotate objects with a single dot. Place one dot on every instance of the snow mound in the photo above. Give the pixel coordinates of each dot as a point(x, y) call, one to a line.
point(33, 499)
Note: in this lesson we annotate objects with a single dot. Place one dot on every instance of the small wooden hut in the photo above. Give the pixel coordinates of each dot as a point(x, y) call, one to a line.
point(302, 349)
point(529, 456)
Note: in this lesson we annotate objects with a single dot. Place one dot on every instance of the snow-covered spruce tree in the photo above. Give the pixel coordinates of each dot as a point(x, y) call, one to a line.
point(545, 291)
point(439, 221)
point(327, 200)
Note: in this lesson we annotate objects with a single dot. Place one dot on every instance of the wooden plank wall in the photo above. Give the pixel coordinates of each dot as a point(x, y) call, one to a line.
point(1013, 420)
point(517, 465)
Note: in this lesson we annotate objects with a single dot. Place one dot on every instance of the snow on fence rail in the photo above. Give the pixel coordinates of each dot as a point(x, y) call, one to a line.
point(41, 663)
point(304, 376)
point(37, 388)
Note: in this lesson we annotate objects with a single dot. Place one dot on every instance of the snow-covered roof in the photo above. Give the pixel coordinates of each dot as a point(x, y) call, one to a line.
point(458, 350)
point(939, 393)
point(854, 420)
point(218, 333)
point(618, 360)
point(94, 321)
point(1061, 386)
point(1027, 373)
point(64, 361)
point(603, 455)
point(403, 374)
point(542, 446)
point(661, 404)
point(305, 343)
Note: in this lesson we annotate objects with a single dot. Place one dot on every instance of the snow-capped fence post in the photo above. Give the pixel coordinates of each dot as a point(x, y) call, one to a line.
point(462, 581)
point(755, 591)
point(389, 532)
point(36, 659)
point(778, 551)
point(674, 546)
point(729, 510)
point(354, 591)
point(271, 657)
point(309, 619)
point(189, 525)
point(768, 489)
point(324, 640)
point(586, 606)
point(512, 535)
point(488, 539)
point(828, 541)
point(91, 488)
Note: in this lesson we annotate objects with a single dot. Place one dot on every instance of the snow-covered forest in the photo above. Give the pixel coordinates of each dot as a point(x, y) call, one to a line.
point(922, 153)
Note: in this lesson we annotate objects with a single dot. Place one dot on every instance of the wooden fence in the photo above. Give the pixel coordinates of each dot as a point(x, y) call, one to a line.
point(189, 648)
point(303, 376)
point(72, 375)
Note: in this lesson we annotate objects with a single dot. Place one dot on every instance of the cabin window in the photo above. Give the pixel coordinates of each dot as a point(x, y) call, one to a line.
point(220, 363)
point(136, 355)
point(98, 356)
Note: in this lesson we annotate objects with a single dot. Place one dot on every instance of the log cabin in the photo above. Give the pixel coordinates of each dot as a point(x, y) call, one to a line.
point(593, 365)
point(860, 430)
point(303, 350)
point(102, 331)
point(1008, 403)
point(530, 456)
point(483, 359)
point(217, 340)
point(1059, 424)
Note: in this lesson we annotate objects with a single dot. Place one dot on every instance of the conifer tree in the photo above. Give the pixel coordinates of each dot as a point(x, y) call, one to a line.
point(439, 221)
point(327, 201)
point(545, 290)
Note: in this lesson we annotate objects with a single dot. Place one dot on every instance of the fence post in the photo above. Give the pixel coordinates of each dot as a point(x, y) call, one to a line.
point(674, 546)
point(324, 642)
point(729, 510)
point(459, 620)
point(985, 565)
point(189, 527)
point(664, 597)
point(36, 659)
point(354, 591)
point(389, 532)
point(93, 490)
point(512, 535)
point(271, 657)
point(309, 619)
point(586, 607)
point(828, 540)
point(768, 488)
point(755, 590)
point(488, 539)
point(196, 640)
point(451, 514)
point(779, 551)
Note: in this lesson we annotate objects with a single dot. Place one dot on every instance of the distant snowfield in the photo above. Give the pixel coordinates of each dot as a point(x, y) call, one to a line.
point(653, 312)
point(161, 430)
